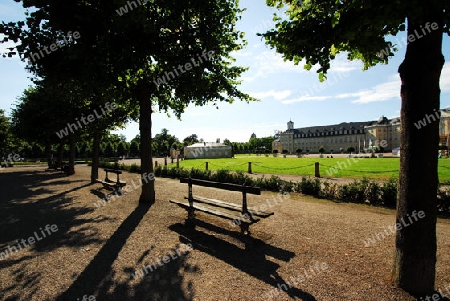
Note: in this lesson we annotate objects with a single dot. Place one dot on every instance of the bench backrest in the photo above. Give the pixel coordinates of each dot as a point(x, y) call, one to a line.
point(226, 186)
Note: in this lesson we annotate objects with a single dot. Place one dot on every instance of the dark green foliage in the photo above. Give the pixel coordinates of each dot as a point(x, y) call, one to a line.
point(135, 168)
point(443, 202)
point(389, 193)
point(222, 175)
point(309, 186)
point(373, 193)
point(354, 192)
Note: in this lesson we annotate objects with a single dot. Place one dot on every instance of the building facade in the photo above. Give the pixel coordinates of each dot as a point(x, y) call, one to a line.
point(208, 150)
point(334, 138)
point(383, 132)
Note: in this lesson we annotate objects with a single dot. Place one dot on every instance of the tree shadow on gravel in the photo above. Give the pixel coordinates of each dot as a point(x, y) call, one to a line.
point(24, 210)
point(162, 283)
point(98, 275)
point(252, 261)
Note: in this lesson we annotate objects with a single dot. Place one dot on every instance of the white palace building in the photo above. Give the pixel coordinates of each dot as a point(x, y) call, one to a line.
point(360, 135)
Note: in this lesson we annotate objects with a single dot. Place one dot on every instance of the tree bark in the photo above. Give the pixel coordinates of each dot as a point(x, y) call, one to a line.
point(415, 255)
point(61, 152)
point(48, 151)
point(145, 126)
point(95, 155)
point(72, 146)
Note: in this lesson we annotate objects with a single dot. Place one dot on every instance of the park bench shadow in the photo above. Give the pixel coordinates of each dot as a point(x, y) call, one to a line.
point(253, 261)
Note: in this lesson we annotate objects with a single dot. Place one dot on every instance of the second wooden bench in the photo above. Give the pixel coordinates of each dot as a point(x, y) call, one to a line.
point(240, 214)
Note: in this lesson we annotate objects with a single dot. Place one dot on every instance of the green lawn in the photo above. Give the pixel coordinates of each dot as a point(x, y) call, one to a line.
point(373, 168)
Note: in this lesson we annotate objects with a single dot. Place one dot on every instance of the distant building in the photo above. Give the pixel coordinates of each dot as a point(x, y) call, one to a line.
point(208, 150)
point(253, 136)
point(360, 135)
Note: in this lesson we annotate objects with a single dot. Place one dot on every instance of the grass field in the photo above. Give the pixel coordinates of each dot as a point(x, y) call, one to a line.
point(372, 168)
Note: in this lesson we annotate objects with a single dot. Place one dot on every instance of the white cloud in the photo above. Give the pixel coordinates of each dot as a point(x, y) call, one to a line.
point(305, 98)
point(391, 89)
point(382, 92)
point(268, 62)
point(278, 95)
point(241, 53)
point(342, 64)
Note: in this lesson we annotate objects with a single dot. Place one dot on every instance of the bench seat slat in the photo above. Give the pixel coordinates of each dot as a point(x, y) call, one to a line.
point(214, 210)
point(112, 185)
point(122, 183)
point(235, 207)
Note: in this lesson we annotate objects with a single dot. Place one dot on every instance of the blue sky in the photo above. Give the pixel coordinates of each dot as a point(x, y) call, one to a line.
point(287, 92)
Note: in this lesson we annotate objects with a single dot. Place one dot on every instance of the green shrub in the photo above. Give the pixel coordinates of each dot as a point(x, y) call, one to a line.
point(222, 175)
point(200, 174)
point(158, 171)
point(443, 201)
point(373, 193)
point(136, 168)
point(389, 193)
point(240, 178)
point(354, 192)
point(164, 172)
point(273, 183)
point(184, 173)
point(285, 186)
point(329, 190)
point(309, 186)
point(173, 172)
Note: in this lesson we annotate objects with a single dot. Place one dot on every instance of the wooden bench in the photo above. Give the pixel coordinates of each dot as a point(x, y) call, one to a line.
point(57, 165)
point(117, 185)
point(239, 214)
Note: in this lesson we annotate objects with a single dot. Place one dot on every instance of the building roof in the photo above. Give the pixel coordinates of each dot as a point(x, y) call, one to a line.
point(207, 144)
point(351, 125)
point(333, 127)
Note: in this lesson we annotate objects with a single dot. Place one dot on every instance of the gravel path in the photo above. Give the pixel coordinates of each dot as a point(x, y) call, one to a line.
point(314, 249)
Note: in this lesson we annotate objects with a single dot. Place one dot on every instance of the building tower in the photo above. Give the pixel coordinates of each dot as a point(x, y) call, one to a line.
point(290, 125)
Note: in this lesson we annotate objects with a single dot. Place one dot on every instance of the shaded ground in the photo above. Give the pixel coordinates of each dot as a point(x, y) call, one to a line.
point(316, 247)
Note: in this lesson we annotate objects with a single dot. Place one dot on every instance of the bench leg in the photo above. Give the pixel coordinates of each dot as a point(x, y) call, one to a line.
point(245, 229)
point(119, 191)
point(246, 237)
point(190, 221)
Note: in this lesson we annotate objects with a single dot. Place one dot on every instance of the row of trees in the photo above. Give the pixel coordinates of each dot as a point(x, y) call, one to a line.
point(115, 59)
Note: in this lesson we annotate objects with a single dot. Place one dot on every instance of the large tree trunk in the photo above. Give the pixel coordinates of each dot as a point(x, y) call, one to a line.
point(145, 126)
point(415, 255)
point(61, 151)
point(72, 145)
point(95, 155)
point(48, 151)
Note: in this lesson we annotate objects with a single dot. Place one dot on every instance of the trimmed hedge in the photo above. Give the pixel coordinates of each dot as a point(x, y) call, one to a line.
point(363, 191)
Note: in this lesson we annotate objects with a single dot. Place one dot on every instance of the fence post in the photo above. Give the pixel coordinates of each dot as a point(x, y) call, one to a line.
point(249, 167)
point(317, 170)
point(206, 165)
point(178, 162)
